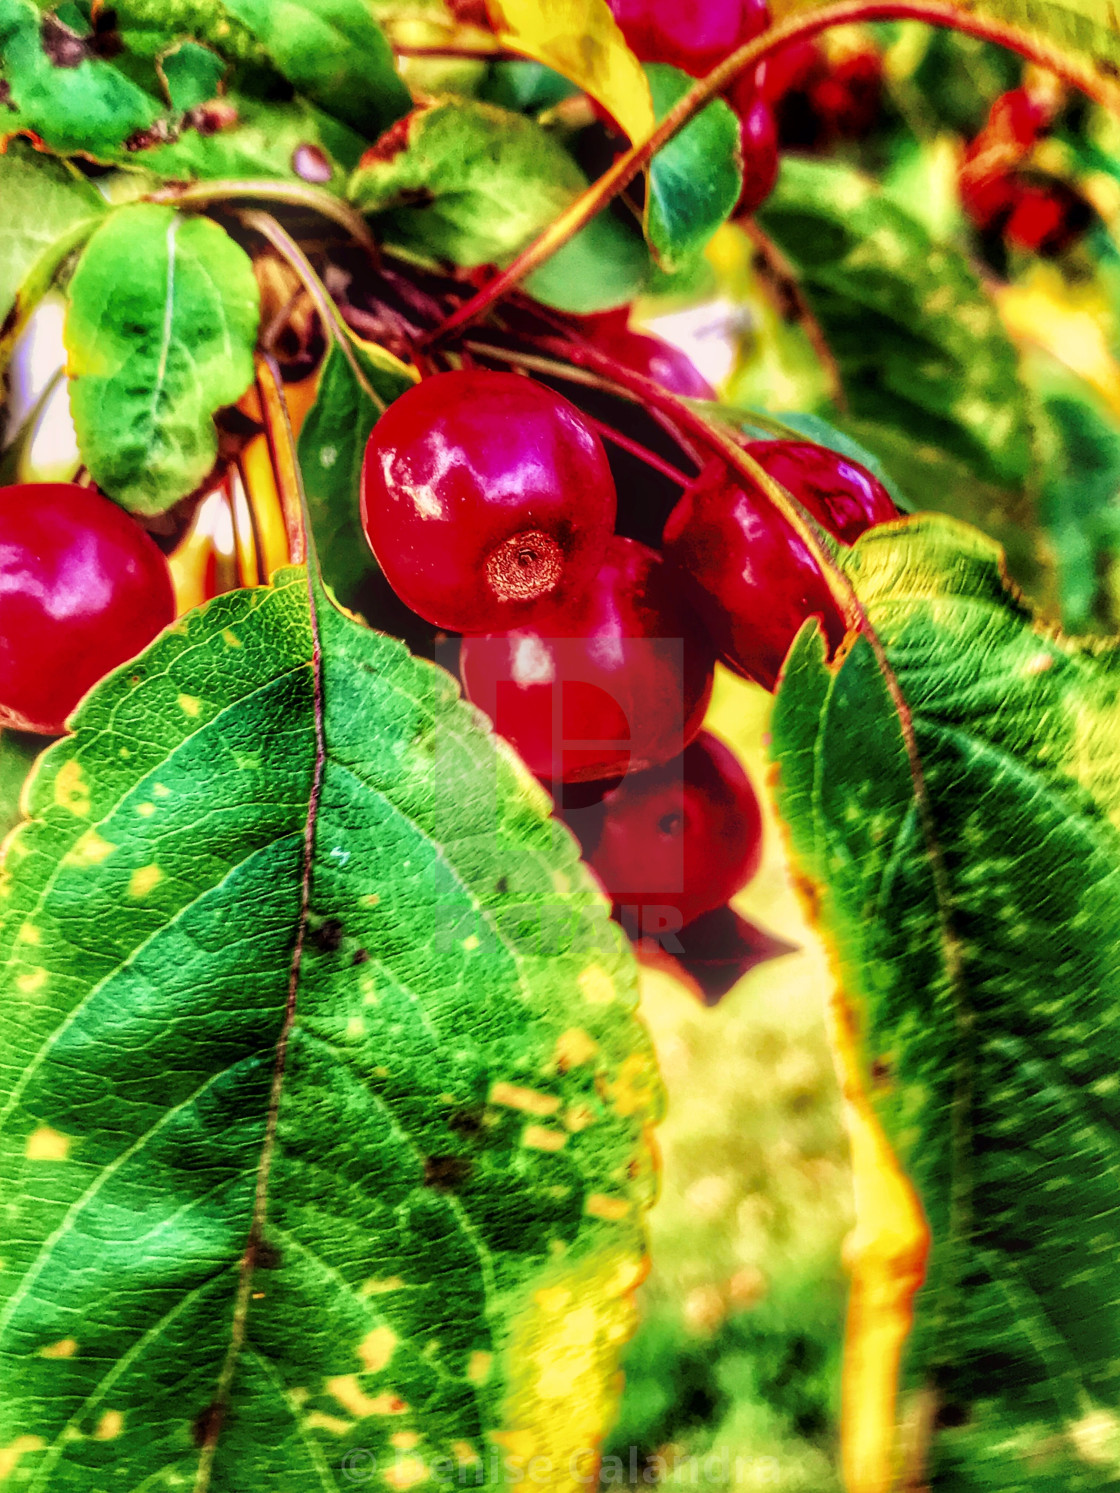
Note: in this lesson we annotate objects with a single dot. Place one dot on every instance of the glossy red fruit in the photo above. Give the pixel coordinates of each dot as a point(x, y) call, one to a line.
point(758, 142)
point(841, 495)
point(485, 495)
point(616, 682)
point(82, 589)
point(655, 358)
point(693, 35)
point(792, 68)
point(680, 840)
point(752, 579)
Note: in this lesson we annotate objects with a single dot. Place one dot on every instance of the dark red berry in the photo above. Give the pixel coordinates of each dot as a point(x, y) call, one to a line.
point(791, 68)
point(693, 35)
point(1047, 217)
point(841, 495)
point(82, 589)
point(485, 495)
point(680, 840)
point(752, 579)
point(656, 359)
point(617, 681)
point(758, 143)
point(847, 99)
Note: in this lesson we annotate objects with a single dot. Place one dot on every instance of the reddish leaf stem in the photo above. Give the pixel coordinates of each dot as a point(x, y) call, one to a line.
point(796, 28)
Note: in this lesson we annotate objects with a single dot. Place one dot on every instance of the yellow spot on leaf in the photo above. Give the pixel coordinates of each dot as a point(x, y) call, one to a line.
point(470, 943)
point(71, 790)
point(109, 1427)
point(231, 638)
point(574, 1047)
point(528, 1100)
point(631, 1089)
point(161, 791)
point(10, 1455)
point(30, 934)
point(65, 1348)
point(143, 880)
point(317, 1421)
point(578, 1117)
point(380, 1287)
point(355, 1027)
point(406, 1472)
point(190, 705)
point(372, 900)
point(31, 980)
point(90, 850)
point(538, 1138)
point(599, 1205)
point(596, 986)
point(479, 1365)
point(1096, 1437)
point(465, 1454)
point(376, 1348)
point(350, 1395)
point(46, 1144)
point(145, 810)
point(404, 1441)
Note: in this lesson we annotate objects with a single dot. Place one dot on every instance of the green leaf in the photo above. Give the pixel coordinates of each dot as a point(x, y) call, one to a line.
point(985, 996)
point(332, 443)
point(242, 136)
point(191, 75)
point(48, 209)
point(605, 265)
point(695, 181)
point(72, 100)
point(299, 1157)
point(465, 181)
point(335, 53)
point(160, 332)
point(919, 346)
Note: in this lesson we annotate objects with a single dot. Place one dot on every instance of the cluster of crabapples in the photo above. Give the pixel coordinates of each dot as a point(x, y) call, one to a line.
point(490, 506)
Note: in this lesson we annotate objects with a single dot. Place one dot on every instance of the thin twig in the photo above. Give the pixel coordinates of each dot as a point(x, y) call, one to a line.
point(334, 325)
point(293, 194)
point(282, 452)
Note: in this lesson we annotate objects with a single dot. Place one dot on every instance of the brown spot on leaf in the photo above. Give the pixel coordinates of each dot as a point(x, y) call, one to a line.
point(6, 96)
point(266, 1256)
point(361, 956)
point(880, 1070)
point(209, 118)
point(207, 1424)
point(310, 164)
point(391, 143)
point(501, 887)
point(106, 39)
point(158, 133)
point(467, 1121)
point(63, 47)
point(11, 321)
point(445, 1173)
point(327, 937)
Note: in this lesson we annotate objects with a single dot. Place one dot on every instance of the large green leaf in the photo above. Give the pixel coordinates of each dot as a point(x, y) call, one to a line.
point(695, 181)
point(322, 1142)
point(984, 992)
point(919, 346)
point(465, 181)
point(48, 210)
point(160, 332)
point(332, 444)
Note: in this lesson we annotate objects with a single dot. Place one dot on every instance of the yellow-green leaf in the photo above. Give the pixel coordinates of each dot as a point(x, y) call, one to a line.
point(580, 39)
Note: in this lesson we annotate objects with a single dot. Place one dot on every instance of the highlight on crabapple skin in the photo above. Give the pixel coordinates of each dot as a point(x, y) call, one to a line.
point(483, 495)
point(82, 589)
